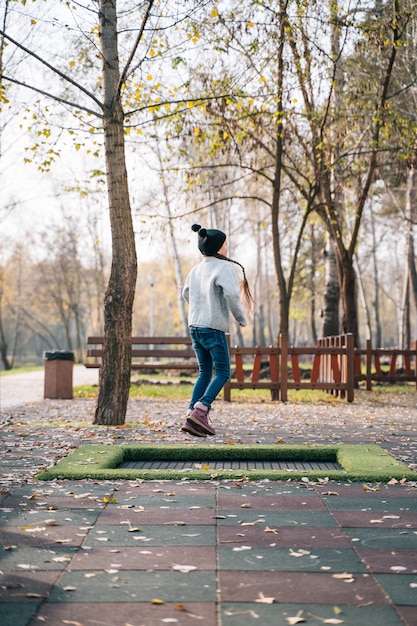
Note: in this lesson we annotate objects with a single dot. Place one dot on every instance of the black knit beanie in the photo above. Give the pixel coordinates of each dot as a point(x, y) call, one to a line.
point(210, 240)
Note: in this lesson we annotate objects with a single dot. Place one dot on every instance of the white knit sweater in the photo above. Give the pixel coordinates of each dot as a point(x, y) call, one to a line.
point(212, 292)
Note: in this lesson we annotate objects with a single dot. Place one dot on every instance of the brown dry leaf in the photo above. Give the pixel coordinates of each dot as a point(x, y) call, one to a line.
point(68, 621)
point(367, 488)
point(330, 493)
point(271, 530)
point(31, 594)
point(175, 523)
point(246, 505)
point(264, 600)
point(393, 481)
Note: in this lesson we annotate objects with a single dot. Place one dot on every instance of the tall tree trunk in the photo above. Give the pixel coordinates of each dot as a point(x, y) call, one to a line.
point(284, 306)
point(410, 274)
point(330, 312)
point(114, 382)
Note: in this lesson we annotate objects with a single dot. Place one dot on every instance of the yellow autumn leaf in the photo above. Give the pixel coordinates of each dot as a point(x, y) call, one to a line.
point(32, 22)
point(71, 63)
point(250, 24)
point(214, 13)
point(197, 131)
point(157, 601)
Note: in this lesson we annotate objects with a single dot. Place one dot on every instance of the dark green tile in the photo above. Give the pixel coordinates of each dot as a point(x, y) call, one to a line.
point(155, 535)
point(289, 560)
point(401, 588)
point(382, 538)
point(382, 504)
point(35, 559)
point(33, 518)
point(161, 501)
point(135, 586)
point(16, 614)
point(243, 614)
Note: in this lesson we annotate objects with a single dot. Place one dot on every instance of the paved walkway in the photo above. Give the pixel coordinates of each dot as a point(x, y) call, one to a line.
point(220, 553)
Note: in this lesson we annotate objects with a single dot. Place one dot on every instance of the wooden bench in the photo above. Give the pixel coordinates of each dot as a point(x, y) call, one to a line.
point(150, 353)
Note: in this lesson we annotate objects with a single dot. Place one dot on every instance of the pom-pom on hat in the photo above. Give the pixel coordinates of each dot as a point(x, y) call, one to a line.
point(210, 240)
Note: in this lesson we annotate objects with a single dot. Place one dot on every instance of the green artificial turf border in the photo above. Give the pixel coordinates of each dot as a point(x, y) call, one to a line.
point(101, 462)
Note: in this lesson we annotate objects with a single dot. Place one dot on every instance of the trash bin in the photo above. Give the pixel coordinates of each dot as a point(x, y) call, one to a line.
point(58, 375)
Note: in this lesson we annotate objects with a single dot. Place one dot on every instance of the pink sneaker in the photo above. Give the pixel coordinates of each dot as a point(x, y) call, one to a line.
point(199, 418)
point(192, 429)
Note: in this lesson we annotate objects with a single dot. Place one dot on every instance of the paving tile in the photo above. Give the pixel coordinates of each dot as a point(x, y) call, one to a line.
point(382, 538)
point(272, 502)
point(370, 519)
point(274, 559)
point(389, 561)
point(243, 614)
point(36, 518)
point(146, 557)
point(283, 536)
point(121, 614)
point(321, 519)
point(116, 516)
point(408, 614)
point(17, 614)
point(299, 588)
point(43, 536)
point(401, 588)
point(35, 558)
point(160, 501)
point(26, 587)
point(380, 504)
point(135, 586)
point(360, 490)
point(50, 502)
point(170, 534)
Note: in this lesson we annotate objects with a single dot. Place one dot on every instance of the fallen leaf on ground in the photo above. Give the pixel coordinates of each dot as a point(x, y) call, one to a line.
point(297, 619)
point(264, 600)
point(184, 569)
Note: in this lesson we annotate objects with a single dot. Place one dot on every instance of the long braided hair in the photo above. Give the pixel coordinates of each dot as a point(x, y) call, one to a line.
point(245, 291)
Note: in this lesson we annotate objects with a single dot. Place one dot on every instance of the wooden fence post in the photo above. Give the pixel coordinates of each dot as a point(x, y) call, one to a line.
point(283, 344)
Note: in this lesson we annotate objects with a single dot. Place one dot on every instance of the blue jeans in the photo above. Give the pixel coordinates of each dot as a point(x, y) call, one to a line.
point(210, 347)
